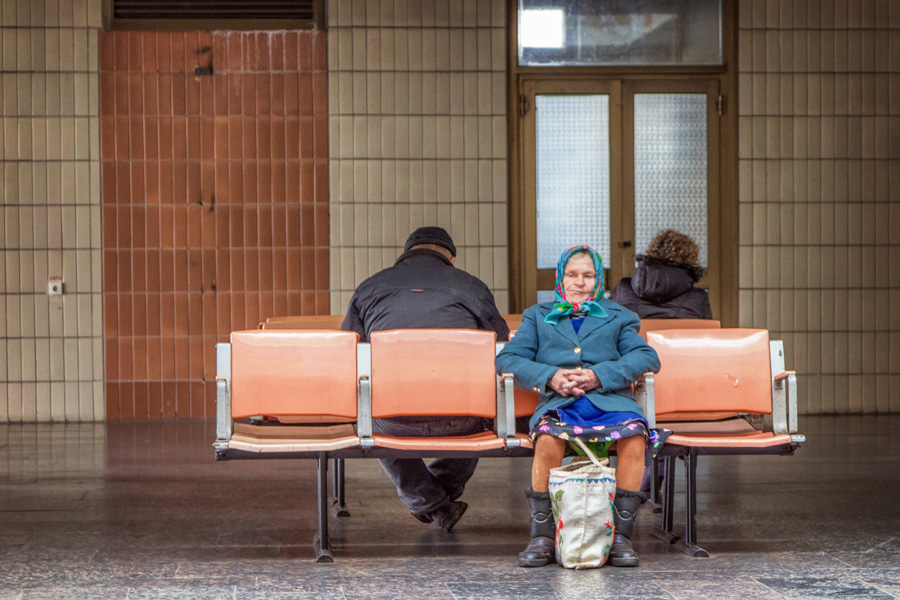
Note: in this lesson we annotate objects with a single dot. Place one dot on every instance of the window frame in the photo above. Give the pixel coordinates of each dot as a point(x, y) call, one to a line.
point(521, 282)
point(110, 23)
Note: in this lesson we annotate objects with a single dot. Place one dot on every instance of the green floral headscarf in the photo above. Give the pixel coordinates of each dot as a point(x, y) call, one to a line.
point(589, 307)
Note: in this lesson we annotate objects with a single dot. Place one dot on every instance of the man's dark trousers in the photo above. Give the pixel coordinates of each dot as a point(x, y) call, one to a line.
point(425, 488)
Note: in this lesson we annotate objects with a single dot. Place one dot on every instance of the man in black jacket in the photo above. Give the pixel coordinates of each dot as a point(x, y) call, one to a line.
point(423, 290)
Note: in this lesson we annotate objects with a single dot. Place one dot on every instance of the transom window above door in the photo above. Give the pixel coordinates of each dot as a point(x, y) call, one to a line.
point(620, 32)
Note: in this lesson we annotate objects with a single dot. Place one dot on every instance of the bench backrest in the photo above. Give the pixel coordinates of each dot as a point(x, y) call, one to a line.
point(294, 373)
point(304, 322)
point(513, 320)
point(527, 400)
point(433, 372)
point(663, 324)
point(334, 321)
point(648, 325)
point(712, 370)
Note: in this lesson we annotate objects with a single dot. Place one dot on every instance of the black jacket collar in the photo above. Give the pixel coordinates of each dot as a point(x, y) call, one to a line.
point(423, 252)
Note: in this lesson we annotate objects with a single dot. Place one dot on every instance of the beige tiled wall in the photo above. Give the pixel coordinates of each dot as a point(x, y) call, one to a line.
point(819, 160)
point(51, 353)
point(417, 134)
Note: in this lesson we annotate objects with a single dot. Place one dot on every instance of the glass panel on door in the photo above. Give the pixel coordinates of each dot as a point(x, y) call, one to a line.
point(670, 168)
point(612, 163)
point(572, 178)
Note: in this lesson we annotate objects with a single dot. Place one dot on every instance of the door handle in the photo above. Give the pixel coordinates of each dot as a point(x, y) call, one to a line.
point(625, 244)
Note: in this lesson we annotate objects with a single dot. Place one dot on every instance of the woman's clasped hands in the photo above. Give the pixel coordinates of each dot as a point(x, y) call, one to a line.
point(574, 382)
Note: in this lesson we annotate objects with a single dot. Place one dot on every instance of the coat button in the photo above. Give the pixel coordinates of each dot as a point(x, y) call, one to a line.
point(577, 349)
point(537, 389)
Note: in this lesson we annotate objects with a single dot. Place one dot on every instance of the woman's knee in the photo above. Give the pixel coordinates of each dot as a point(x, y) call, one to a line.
point(547, 445)
point(631, 448)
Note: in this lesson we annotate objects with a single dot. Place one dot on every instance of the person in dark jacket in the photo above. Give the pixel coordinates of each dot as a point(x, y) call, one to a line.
point(663, 282)
point(663, 288)
point(423, 290)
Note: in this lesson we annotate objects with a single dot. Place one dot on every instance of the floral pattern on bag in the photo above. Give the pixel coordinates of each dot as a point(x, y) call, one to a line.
point(581, 497)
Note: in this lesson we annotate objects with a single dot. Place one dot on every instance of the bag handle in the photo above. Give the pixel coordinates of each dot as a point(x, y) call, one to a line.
point(588, 452)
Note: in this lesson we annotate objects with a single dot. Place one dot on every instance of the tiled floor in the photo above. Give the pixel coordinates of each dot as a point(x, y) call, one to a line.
point(143, 511)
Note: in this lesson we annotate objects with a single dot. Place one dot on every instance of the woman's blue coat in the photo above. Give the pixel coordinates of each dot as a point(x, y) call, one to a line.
point(610, 346)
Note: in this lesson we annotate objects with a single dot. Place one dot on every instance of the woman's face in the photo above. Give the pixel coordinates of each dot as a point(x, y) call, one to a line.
point(579, 278)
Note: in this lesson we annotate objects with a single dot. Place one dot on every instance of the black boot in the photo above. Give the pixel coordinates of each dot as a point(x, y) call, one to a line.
point(625, 504)
point(448, 516)
point(541, 548)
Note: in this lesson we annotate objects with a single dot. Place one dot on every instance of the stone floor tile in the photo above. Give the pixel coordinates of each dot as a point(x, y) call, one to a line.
point(146, 508)
point(720, 589)
point(318, 594)
point(609, 582)
point(490, 590)
point(74, 593)
point(374, 588)
point(182, 593)
point(870, 560)
point(799, 587)
point(887, 582)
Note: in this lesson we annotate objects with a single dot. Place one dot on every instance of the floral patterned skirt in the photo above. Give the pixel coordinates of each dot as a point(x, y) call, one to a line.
point(604, 434)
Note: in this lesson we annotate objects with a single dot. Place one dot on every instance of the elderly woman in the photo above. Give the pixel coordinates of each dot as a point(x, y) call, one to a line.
point(582, 353)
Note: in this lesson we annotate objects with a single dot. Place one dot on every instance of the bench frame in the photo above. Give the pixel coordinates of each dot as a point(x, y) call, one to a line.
point(783, 419)
point(336, 505)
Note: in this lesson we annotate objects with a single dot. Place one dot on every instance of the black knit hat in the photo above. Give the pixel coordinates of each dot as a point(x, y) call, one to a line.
point(430, 235)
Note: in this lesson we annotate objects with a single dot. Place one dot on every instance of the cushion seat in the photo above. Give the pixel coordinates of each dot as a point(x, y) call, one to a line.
point(730, 426)
point(292, 438)
point(758, 439)
point(473, 443)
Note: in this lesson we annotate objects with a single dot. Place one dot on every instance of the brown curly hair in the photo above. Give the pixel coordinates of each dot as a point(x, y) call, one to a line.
point(674, 247)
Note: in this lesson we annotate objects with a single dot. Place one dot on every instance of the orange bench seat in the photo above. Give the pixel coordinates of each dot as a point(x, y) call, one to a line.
point(314, 394)
point(710, 375)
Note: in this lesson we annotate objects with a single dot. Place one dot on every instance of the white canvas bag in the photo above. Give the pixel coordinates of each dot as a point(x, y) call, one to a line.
point(581, 495)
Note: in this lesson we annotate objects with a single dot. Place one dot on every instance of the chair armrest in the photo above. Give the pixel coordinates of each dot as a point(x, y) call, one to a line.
point(786, 383)
point(505, 425)
point(364, 411)
point(364, 395)
point(783, 419)
point(784, 375)
point(224, 423)
point(644, 396)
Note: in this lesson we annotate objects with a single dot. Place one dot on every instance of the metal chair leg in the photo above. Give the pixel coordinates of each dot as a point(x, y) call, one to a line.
point(665, 533)
point(654, 484)
point(654, 481)
point(688, 544)
point(669, 498)
point(321, 543)
point(338, 505)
